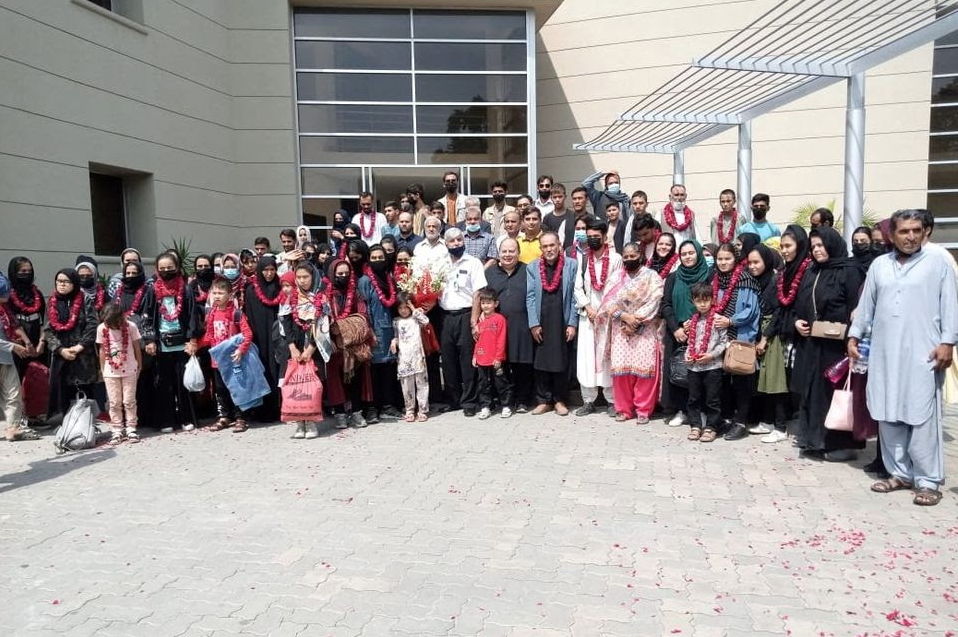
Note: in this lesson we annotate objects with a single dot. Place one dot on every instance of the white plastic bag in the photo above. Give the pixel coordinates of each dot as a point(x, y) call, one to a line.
point(193, 379)
point(78, 430)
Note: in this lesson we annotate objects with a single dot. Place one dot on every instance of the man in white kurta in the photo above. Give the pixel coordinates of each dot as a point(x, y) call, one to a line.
point(597, 266)
point(910, 300)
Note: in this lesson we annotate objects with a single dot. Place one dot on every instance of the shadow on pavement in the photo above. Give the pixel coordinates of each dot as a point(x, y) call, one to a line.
point(52, 468)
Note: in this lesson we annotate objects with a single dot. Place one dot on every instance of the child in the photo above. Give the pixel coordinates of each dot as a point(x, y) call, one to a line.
point(490, 354)
point(10, 333)
point(223, 322)
point(121, 361)
point(704, 358)
point(411, 358)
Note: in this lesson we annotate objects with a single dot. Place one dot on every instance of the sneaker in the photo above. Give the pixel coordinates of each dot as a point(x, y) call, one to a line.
point(760, 428)
point(737, 432)
point(371, 417)
point(116, 437)
point(341, 421)
point(132, 436)
point(483, 413)
point(390, 412)
point(611, 412)
point(506, 412)
point(468, 412)
point(356, 420)
point(300, 432)
point(522, 409)
point(166, 430)
point(678, 420)
point(188, 426)
point(311, 431)
point(775, 436)
point(585, 409)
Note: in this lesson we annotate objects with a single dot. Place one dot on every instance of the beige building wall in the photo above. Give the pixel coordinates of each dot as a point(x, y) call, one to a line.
point(597, 59)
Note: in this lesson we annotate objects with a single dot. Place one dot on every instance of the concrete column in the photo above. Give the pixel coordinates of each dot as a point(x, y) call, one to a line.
point(678, 167)
point(745, 168)
point(854, 156)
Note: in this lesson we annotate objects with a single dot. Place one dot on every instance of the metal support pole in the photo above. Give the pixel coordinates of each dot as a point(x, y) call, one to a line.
point(678, 167)
point(854, 156)
point(745, 168)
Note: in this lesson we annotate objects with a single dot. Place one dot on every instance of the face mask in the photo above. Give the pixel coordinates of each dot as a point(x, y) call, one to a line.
point(168, 276)
point(24, 279)
point(205, 275)
point(217, 269)
point(878, 248)
point(451, 187)
point(457, 252)
point(861, 250)
point(595, 243)
point(709, 261)
point(87, 282)
point(678, 206)
point(134, 281)
point(231, 273)
point(612, 189)
point(631, 265)
point(379, 267)
point(340, 281)
point(759, 213)
point(580, 236)
point(545, 194)
point(473, 227)
point(391, 259)
point(499, 198)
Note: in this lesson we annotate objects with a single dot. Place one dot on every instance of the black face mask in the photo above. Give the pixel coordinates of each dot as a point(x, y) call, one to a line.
point(24, 278)
point(631, 265)
point(206, 276)
point(759, 213)
point(341, 282)
point(168, 275)
point(595, 243)
point(499, 198)
point(451, 187)
point(87, 282)
point(457, 252)
point(879, 248)
point(133, 282)
point(861, 250)
point(545, 194)
point(380, 268)
point(391, 259)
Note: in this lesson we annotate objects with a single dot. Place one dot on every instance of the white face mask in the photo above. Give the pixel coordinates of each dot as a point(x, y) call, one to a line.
point(678, 206)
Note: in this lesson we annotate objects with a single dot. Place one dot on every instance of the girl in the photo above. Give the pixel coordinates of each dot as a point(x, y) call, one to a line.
point(248, 259)
point(336, 237)
point(173, 340)
point(263, 298)
point(131, 297)
point(772, 387)
point(737, 312)
point(223, 322)
point(862, 247)
point(199, 288)
point(86, 267)
point(233, 274)
point(29, 307)
point(120, 362)
point(217, 263)
point(388, 243)
point(303, 237)
point(304, 308)
point(665, 257)
point(379, 287)
point(203, 274)
point(407, 346)
point(70, 333)
point(579, 247)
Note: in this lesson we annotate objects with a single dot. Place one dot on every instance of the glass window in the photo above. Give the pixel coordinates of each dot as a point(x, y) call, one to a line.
point(944, 119)
point(354, 87)
point(944, 90)
point(387, 56)
point(471, 88)
point(331, 181)
point(354, 118)
point(472, 150)
point(470, 25)
point(470, 56)
point(944, 205)
point(943, 147)
point(942, 175)
point(945, 61)
point(319, 212)
point(349, 23)
point(516, 178)
point(356, 150)
point(474, 118)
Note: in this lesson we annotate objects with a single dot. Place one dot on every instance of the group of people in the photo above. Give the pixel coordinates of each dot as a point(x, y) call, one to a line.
point(451, 306)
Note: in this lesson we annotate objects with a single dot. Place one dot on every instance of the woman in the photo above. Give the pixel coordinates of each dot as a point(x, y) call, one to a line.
point(627, 336)
point(172, 341)
point(29, 307)
point(677, 308)
point(70, 335)
point(336, 237)
point(203, 275)
point(737, 311)
point(88, 270)
point(263, 298)
point(198, 287)
point(862, 247)
point(301, 317)
point(218, 263)
point(358, 255)
point(234, 274)
point(379, 288)
point(248, 259)
point(829, 292)
point(579, 246)
point(744, 244)
point(131, 296)
point(881, 237)
point(772, 387)
point(388, 243)
point(665, 257)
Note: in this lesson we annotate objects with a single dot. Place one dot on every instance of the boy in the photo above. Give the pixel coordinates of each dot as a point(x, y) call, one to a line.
point(704, 359)
point(223, 322)
point(490, 353)
point(10, 333)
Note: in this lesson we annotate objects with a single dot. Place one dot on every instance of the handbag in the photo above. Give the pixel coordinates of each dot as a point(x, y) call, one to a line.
point(173, 339)
point(826, 329)
point(430, 344)
point(840, 416)
point(302, 393)
point(35, 390)
point(739, 358)
point(679, 368)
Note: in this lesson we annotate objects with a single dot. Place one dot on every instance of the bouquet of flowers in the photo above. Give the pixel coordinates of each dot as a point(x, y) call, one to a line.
point(424, 280)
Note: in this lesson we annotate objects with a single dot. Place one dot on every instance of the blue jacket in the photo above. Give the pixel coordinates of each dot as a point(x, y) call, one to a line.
point(534, 293)
point(380, 319)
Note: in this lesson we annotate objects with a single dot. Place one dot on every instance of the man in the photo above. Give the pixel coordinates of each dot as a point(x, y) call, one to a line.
point(562, 220)
point(597, 268)
point(511, 224)
point(639, 204)
point(479, 243)
point(290, 256)
point(414, 194)
point(822, 217)
point(453, 203)
point(724, 227)
point(523, 203)
point(646, 234)
point(544, 201)
point(391, 212)
point(600, 199)
point(465, 278)
point(370, 222)
point(678, 218)
point(406, 237)
point(550, 303)
point(910, 303)
point(759, 224)
point(580, 201)
point(615, 235)
point(260, 246)
point(508, 279)
point(529, 246)
point(495, 213)
point(432, 248)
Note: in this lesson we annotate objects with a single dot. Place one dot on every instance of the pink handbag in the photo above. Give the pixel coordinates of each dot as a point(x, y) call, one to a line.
point(840, 415)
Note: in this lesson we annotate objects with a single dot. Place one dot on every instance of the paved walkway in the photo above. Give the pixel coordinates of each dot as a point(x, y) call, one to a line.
point(529, 526)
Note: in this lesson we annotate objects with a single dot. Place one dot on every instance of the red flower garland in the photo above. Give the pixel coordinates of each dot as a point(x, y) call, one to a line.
point(723, 238)
point(53, 315)
point(667, 268)
point(265, 300)
point(596, 285)
point(135, 303)
point(346, 309)
point(362, 225)
point(736, 275)
point(116, 359)
point(22, 307)
point(670, 220)
point(793, 288)
point(557, 277)
point(162, 291)
point(387, 301)
point(100, 297)
point(695, 352)
point(201, 294)
point(7, 319)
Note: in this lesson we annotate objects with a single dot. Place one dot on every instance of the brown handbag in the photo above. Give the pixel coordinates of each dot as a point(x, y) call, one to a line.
point(739, 358)
point(826, 329)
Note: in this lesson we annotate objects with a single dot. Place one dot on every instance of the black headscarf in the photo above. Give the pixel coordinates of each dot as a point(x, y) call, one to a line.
point(208, 276)
point(358, 245)
point(748, 241)
point(24, 287)
point(657, 262)
point(835, 247)
point(745, 282)
point(65, 301)
point(768, 295)
point(269, 288)
point(132, 284)
point(864, 255)
point(797, 233)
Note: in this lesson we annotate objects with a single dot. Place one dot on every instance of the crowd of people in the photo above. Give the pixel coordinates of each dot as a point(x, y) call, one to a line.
point(499, 310)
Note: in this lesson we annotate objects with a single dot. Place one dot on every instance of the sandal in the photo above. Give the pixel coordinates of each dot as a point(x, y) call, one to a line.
point(410, 417)
point(132, 436)
point(925, 497)
point(889, 485)
point(708, 435)
point(220, 424)
point(422, 418)
point(620, 417)
point(239, 426)
point(695, 433)
point(116, 438)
